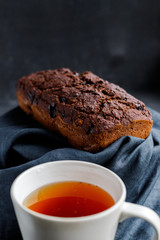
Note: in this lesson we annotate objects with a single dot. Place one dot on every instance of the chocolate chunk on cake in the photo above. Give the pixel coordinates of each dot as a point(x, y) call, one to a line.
point(89, 111)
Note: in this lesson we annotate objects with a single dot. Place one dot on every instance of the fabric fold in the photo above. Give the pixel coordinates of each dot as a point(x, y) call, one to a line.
point(25, 143)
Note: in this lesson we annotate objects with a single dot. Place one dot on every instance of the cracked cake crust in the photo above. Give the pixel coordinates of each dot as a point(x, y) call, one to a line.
point(89, 111)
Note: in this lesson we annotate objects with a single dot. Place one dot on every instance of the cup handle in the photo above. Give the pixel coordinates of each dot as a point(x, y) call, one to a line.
point(135, 210)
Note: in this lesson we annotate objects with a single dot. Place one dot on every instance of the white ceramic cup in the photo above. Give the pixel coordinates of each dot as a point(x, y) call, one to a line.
point(100, 226)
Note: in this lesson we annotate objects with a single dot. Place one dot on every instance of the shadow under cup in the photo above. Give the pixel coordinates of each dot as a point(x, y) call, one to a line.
point(99, 226)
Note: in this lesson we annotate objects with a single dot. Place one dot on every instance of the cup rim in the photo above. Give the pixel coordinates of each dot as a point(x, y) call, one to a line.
point(69, 219)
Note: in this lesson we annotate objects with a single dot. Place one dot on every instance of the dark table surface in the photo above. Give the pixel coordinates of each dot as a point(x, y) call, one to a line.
point(117, 40)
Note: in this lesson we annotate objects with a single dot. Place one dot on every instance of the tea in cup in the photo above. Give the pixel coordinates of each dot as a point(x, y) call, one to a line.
point(69, 199)
point(73, 200)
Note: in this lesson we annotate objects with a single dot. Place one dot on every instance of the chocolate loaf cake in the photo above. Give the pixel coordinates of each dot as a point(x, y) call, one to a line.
point(89, 111)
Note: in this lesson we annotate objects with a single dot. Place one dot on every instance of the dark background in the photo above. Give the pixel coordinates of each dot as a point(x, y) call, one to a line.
point(117, 40)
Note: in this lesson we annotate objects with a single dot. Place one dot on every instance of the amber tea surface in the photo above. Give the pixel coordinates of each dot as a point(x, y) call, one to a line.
point(69, 199)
